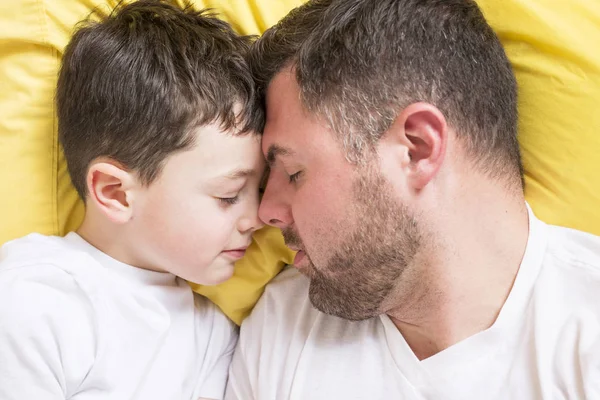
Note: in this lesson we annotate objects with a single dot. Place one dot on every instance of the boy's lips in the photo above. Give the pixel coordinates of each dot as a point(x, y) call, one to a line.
point(235, 253)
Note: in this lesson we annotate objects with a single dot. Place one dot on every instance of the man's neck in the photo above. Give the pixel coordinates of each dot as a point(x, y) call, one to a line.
point(459, 288)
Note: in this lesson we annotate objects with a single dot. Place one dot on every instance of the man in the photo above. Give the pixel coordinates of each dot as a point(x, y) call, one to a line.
point(396, 174)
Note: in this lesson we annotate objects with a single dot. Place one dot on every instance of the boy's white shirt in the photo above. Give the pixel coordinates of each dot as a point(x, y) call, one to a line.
point(77, 324)
point(545, 343)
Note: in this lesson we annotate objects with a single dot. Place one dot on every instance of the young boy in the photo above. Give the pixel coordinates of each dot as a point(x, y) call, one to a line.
point(157, 117)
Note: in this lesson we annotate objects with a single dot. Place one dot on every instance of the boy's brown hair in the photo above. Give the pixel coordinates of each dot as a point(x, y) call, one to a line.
point(134, 85)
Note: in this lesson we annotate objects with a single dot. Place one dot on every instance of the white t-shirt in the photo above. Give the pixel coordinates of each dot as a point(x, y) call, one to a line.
point(545, 343)
point(77, 324)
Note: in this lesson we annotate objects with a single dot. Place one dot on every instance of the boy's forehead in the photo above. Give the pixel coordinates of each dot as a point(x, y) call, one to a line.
point(221, 154)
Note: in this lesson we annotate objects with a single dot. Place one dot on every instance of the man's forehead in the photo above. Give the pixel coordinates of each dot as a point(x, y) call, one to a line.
point(285, 78)
point(282, 94)
point(288, 126)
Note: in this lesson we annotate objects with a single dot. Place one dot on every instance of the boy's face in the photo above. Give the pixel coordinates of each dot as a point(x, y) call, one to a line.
point(197, 218)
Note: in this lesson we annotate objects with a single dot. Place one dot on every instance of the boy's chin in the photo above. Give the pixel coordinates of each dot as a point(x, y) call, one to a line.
point(213, 274)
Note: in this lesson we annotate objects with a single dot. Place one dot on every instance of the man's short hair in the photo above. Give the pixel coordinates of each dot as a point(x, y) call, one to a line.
point(135, 84)
point(358, 63)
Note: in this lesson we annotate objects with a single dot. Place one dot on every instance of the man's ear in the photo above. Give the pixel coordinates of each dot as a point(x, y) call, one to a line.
point(111, 188)
point(418, 137)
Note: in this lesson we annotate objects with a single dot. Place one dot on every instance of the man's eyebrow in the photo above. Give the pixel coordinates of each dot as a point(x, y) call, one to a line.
point(240, 173)
point(275, 151)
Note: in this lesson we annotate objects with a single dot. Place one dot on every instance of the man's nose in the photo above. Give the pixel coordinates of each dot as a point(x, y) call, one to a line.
point(275, 208)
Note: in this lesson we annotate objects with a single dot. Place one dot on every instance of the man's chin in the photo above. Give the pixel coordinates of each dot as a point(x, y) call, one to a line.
point(341, 301)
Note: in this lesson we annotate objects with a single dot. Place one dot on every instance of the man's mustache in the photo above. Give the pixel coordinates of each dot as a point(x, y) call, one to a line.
point(292, 239)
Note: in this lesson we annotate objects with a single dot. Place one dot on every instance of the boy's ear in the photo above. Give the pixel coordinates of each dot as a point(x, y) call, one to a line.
point(111, 189)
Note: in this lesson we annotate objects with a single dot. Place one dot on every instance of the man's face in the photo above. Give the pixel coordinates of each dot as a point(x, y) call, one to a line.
point(355, 237)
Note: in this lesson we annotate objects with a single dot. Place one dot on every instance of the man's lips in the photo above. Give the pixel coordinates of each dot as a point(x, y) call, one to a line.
point(300, 256)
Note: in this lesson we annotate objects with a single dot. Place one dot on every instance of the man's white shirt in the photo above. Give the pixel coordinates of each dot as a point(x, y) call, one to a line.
point(545, 343)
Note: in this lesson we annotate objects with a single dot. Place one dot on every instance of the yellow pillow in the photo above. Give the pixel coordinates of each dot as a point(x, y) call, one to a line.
point(38, 195)
point(554, 47)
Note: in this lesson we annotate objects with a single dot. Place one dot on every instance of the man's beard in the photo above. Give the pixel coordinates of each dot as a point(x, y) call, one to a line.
point(367, 265)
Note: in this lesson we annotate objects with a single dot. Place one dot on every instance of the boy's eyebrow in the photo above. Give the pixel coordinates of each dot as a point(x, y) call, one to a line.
point(275, 151)
point(240, 173)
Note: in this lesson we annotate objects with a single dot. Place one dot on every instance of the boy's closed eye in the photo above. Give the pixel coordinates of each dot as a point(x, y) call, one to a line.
point(229, 200)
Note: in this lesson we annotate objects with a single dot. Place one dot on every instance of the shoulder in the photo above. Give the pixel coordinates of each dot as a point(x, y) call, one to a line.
point(566, 303)
point(209, 314)
point(568, 285)
point(272, 337)
point(289, 287)
point(36, 293)
point(283, 314)
point(285, 300)
point(575, 254)
point(33, 268)
point(284, 332)
point(36, 289)
point(35, 249)
point(220, 332)
point(45, 314)
point(575, 248)
point(47, 325)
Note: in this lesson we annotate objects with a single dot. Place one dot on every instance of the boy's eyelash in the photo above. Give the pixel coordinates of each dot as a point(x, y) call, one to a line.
point(229, 200)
